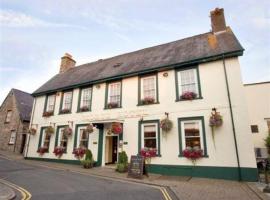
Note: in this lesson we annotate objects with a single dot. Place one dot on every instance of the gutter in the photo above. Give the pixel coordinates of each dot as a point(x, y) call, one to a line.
point(232, 119)
point(151, 70)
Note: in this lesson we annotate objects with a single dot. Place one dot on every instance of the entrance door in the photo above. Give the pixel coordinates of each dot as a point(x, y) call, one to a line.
point(111, 149)
point(23, 142)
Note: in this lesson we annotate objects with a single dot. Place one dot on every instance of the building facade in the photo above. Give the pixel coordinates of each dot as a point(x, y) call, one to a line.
point(184, 81)
point(258, 101)
point(15, 114)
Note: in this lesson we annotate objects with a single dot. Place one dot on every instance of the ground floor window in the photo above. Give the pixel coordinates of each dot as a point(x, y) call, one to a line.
point(61, 138)
point(12, 137)
point(192, 134)
point(149, 135)
point(44, 139)
point(81, 137)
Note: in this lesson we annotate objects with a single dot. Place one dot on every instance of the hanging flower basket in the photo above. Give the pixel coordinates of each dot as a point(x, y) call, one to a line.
point(84, 109)
point(67, 131)
point(215, 120)
point(193, 154)
point(32, 131)
point(64, 111)
point(112, 105)
point(58, 151)
point(188, 95)
point(147, 100)
point(79, 152)
point(47, 113)
point(42, 150)
point(166, 125)
point(49, 130)
point(116, 128)
point(89, 129)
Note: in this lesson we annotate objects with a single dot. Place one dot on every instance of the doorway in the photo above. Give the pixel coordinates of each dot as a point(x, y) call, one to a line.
point(111, 150)
point(23, 143)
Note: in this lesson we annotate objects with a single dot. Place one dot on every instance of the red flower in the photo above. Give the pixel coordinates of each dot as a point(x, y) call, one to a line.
point(58, 151)
point(117, 128)
point(192, 153)
point(42, 150)
point(188, 95)
point(79, 152)
point(148, 152)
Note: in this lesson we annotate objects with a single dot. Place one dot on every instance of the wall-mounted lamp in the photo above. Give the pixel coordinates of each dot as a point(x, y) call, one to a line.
point(165, 74)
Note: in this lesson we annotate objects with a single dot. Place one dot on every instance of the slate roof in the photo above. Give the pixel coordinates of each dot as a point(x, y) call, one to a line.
point(196, 49)
point(24, 103)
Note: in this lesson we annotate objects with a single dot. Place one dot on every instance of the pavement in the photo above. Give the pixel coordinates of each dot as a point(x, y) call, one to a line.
point(182, 188)
point(6, 192)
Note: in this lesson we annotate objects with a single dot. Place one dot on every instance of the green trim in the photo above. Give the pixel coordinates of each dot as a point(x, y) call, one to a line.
point(76, 135)
point(64, 161)
point(228, 173)
point(61, 102)
point(201, 118)
point(177, 82)
point(139, 89)
point(100, 145)
point(107, 91)
point(40, 138)
point(79, 99)
point(57, 135)
point(140, 134)
point(46, 102)
point(149, 70)
point(121, 135)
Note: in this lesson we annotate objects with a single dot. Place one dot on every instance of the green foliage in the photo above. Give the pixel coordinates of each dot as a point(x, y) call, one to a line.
point(88, 162)
point(122, 164)
point(267, 141)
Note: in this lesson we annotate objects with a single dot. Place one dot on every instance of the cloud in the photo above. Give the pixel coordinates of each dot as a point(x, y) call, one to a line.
point(14, 19)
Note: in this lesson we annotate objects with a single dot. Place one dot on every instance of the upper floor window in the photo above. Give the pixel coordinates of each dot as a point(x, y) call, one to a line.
point(8, 116)
point(12, 138)
point(192, 134)
point(148, 90)
point(85, 99)
point(187, 84)
point(49, 105)
point(113, 95)
point(66, 102)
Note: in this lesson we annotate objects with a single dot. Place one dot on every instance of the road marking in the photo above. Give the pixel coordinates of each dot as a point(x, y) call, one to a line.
point(25, 194)
point(165, 193)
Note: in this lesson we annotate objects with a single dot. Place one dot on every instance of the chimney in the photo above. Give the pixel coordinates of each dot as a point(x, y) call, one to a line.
point(218, 20)
point(67, 63)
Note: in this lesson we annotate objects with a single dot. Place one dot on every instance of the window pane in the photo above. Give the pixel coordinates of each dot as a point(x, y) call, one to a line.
point(86, 97)
point(149, 87)
point(150, 143)
point(188, 81)
point(192, 134)
point(50, 103)
point(83, 139)
point(114, 93)
point(8, 116)
point(192, 129)
point(67, 100)
point(193, 142)
point(12, 137)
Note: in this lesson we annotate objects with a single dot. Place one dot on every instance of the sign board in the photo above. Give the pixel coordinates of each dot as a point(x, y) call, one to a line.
point(136, 167)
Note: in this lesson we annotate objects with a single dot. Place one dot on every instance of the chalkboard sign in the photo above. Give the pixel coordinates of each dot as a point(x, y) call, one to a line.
point(136, 166)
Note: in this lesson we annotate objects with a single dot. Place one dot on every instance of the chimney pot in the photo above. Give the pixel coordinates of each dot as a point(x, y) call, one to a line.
point(67, 63)
point(218, 20)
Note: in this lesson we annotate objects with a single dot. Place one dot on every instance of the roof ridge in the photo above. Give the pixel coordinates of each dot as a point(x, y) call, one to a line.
point(20, 91)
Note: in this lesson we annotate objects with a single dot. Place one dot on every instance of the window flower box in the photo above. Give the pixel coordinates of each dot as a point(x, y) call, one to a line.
point(67, 131)
point(58, 151)
point(49, 130)
point(148, 152)
point(84, 109)
point(112, 105)
point(79, 152)
point(47, 113)
point(188, 96)
point(116, 128)
point(42, 150)
point(193, 154)
point(65, 111)
point(148, 100)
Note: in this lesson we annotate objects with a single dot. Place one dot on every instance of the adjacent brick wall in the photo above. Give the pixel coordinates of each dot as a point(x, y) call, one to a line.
point(14, 124)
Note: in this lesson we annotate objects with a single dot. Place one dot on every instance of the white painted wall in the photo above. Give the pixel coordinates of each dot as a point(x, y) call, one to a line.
point(258, 99)
point(214, 94)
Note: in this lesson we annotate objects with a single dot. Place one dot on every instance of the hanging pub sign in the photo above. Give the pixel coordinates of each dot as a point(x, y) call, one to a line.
point(136, 167)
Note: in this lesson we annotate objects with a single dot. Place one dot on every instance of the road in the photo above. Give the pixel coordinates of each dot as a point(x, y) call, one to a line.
point(53, 184)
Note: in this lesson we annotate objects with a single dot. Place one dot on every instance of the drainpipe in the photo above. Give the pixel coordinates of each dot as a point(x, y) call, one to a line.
point(30, 125)
point(232, 119)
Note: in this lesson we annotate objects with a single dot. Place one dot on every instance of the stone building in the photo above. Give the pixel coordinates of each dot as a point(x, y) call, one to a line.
point(15, 114)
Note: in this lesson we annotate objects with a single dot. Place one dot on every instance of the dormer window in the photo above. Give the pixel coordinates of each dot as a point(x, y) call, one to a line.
point(66, 102)
point(113, 99)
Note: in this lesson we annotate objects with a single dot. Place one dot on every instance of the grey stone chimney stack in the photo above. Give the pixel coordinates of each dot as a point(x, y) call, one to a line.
point(218, 20)
point(66, 63)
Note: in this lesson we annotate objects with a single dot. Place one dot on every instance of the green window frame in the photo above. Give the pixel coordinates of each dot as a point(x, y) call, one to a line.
point(198, 83)
point(107, 95)
point(61, 109)
point(41, 141)
point(57, 138)
point(80, 107)
point(46, 103)
point(140, 90)
point(141, 136)
point(77, 129)
point(181, 135)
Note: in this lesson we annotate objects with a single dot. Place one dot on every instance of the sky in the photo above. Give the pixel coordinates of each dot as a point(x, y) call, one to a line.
point(35, 34)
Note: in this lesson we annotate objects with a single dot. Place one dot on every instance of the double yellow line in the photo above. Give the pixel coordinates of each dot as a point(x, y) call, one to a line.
point(25, 194)
point(165, 193)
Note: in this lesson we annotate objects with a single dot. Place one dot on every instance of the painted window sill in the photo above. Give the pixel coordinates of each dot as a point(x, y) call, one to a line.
point(64, 113)
point(204, 156)
point(188, 99)
point(112, 108)
point(140, 104)
point(79, 111)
